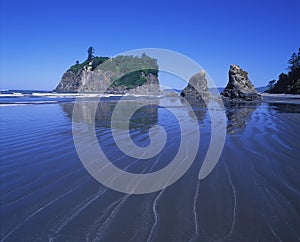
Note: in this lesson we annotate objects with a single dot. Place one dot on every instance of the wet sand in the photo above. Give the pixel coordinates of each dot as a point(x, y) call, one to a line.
point(253, 194)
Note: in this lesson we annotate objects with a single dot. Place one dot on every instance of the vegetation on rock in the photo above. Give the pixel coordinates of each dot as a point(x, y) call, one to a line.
point(132, 70)
point(90, 63)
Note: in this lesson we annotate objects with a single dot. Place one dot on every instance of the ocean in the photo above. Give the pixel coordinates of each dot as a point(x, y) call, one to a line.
point(47, 194)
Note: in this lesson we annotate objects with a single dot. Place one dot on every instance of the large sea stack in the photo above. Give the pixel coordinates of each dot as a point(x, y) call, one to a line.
point(119, 75)
point(239, 87)
point(196, 90)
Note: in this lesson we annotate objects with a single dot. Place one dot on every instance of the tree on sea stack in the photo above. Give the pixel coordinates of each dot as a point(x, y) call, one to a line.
point(90, 53)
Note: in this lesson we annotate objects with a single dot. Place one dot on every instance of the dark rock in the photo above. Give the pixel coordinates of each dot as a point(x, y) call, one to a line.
point(239, 87)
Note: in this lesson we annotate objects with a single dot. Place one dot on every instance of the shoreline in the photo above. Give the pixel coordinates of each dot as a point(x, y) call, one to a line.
point(281, 98)
point(280, 95)
point(74, 95)
point(17, 96)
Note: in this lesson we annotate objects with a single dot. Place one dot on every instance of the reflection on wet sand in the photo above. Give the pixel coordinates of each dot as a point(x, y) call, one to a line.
point(238, 115)
point(104, 111)
point(285, 107)
point(199, 109)
point(144, 118)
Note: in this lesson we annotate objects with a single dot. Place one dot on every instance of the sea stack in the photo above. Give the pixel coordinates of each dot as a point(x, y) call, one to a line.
point(197, 89)
point(239, 87)
point(118, 75)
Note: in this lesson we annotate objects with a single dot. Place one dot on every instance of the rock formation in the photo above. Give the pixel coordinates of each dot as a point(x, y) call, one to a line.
point(119, 75)
point(239, 87)
point(196, 90)
point(70, 82)
point(84, 81)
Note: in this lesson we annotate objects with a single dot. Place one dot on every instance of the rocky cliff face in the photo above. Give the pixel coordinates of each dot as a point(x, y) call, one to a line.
point(70, 82)
point(85, 81)
point(239, 87)
point(196, 90)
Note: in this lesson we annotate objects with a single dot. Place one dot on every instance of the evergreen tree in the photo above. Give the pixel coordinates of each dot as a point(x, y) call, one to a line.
point(288, 83)
point(294, 61)
point(90, 53)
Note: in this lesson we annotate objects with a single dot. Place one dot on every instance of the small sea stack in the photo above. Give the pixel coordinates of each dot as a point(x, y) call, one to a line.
point(196, 90)
point(239, 87)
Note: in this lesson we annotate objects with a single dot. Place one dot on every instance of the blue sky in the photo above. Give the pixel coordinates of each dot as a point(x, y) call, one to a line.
point(41, 39)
